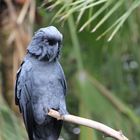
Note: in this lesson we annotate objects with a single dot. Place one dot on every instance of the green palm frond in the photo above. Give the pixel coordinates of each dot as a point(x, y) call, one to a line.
point(10, 128)
point(105, 9)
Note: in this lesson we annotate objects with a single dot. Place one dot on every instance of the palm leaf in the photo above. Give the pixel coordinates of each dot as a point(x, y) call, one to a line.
point(81, 6)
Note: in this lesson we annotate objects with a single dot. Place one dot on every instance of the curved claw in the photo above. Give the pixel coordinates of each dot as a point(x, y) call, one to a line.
point(46, 110)
point(63, 111)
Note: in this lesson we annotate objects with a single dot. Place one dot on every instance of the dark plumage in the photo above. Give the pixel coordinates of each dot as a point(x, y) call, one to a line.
point(41, 85)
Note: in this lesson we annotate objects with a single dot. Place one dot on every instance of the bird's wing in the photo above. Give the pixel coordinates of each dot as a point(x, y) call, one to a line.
point(18, 85)
point(63, 79)
point(23, 93)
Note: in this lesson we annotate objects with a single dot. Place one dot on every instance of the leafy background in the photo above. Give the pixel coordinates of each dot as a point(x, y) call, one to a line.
point(100, 57)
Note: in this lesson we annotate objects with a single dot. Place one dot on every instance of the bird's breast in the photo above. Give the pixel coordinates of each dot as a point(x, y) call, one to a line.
point(47, 83)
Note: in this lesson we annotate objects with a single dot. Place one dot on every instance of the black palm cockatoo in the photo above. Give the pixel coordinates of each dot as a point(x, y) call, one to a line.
point(41, 85)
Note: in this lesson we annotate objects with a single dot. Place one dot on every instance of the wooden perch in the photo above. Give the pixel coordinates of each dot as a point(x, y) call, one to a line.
point(89, 123)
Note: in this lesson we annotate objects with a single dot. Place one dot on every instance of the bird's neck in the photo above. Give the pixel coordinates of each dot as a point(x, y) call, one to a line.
point(35, 59)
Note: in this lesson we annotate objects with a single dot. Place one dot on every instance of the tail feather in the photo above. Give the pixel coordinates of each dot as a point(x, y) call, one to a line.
point(30, 123)
point(49, 131)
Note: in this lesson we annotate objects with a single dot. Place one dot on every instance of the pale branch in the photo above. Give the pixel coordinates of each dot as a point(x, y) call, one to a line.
point(89, 123)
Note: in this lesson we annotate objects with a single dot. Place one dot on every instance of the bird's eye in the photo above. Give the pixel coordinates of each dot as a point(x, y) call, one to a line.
point(52, 42)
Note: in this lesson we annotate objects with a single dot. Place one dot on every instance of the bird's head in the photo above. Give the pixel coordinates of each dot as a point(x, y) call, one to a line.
point(46, 44)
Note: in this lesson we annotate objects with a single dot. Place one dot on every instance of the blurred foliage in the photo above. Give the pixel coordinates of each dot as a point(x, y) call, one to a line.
point(10, 127)
point(103, 77)
point(91, 10)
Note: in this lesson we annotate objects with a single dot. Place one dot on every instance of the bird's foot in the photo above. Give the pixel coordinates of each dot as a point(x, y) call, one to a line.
point(63, 111)
point(46, 110)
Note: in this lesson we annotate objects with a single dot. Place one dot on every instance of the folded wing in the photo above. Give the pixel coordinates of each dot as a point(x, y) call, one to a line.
point(23, 91)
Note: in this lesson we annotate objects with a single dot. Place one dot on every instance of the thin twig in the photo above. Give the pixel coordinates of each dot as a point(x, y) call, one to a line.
point(118, 104)
point(89, 123)
point(23, 12)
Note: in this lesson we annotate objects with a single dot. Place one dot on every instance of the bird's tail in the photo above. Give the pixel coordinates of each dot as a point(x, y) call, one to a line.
point(48, 131)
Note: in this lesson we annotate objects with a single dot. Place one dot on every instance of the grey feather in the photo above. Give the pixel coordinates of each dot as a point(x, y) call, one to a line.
point(41, 85)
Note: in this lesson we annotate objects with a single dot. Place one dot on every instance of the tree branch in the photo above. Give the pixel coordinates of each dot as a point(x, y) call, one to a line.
point(89, 123)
